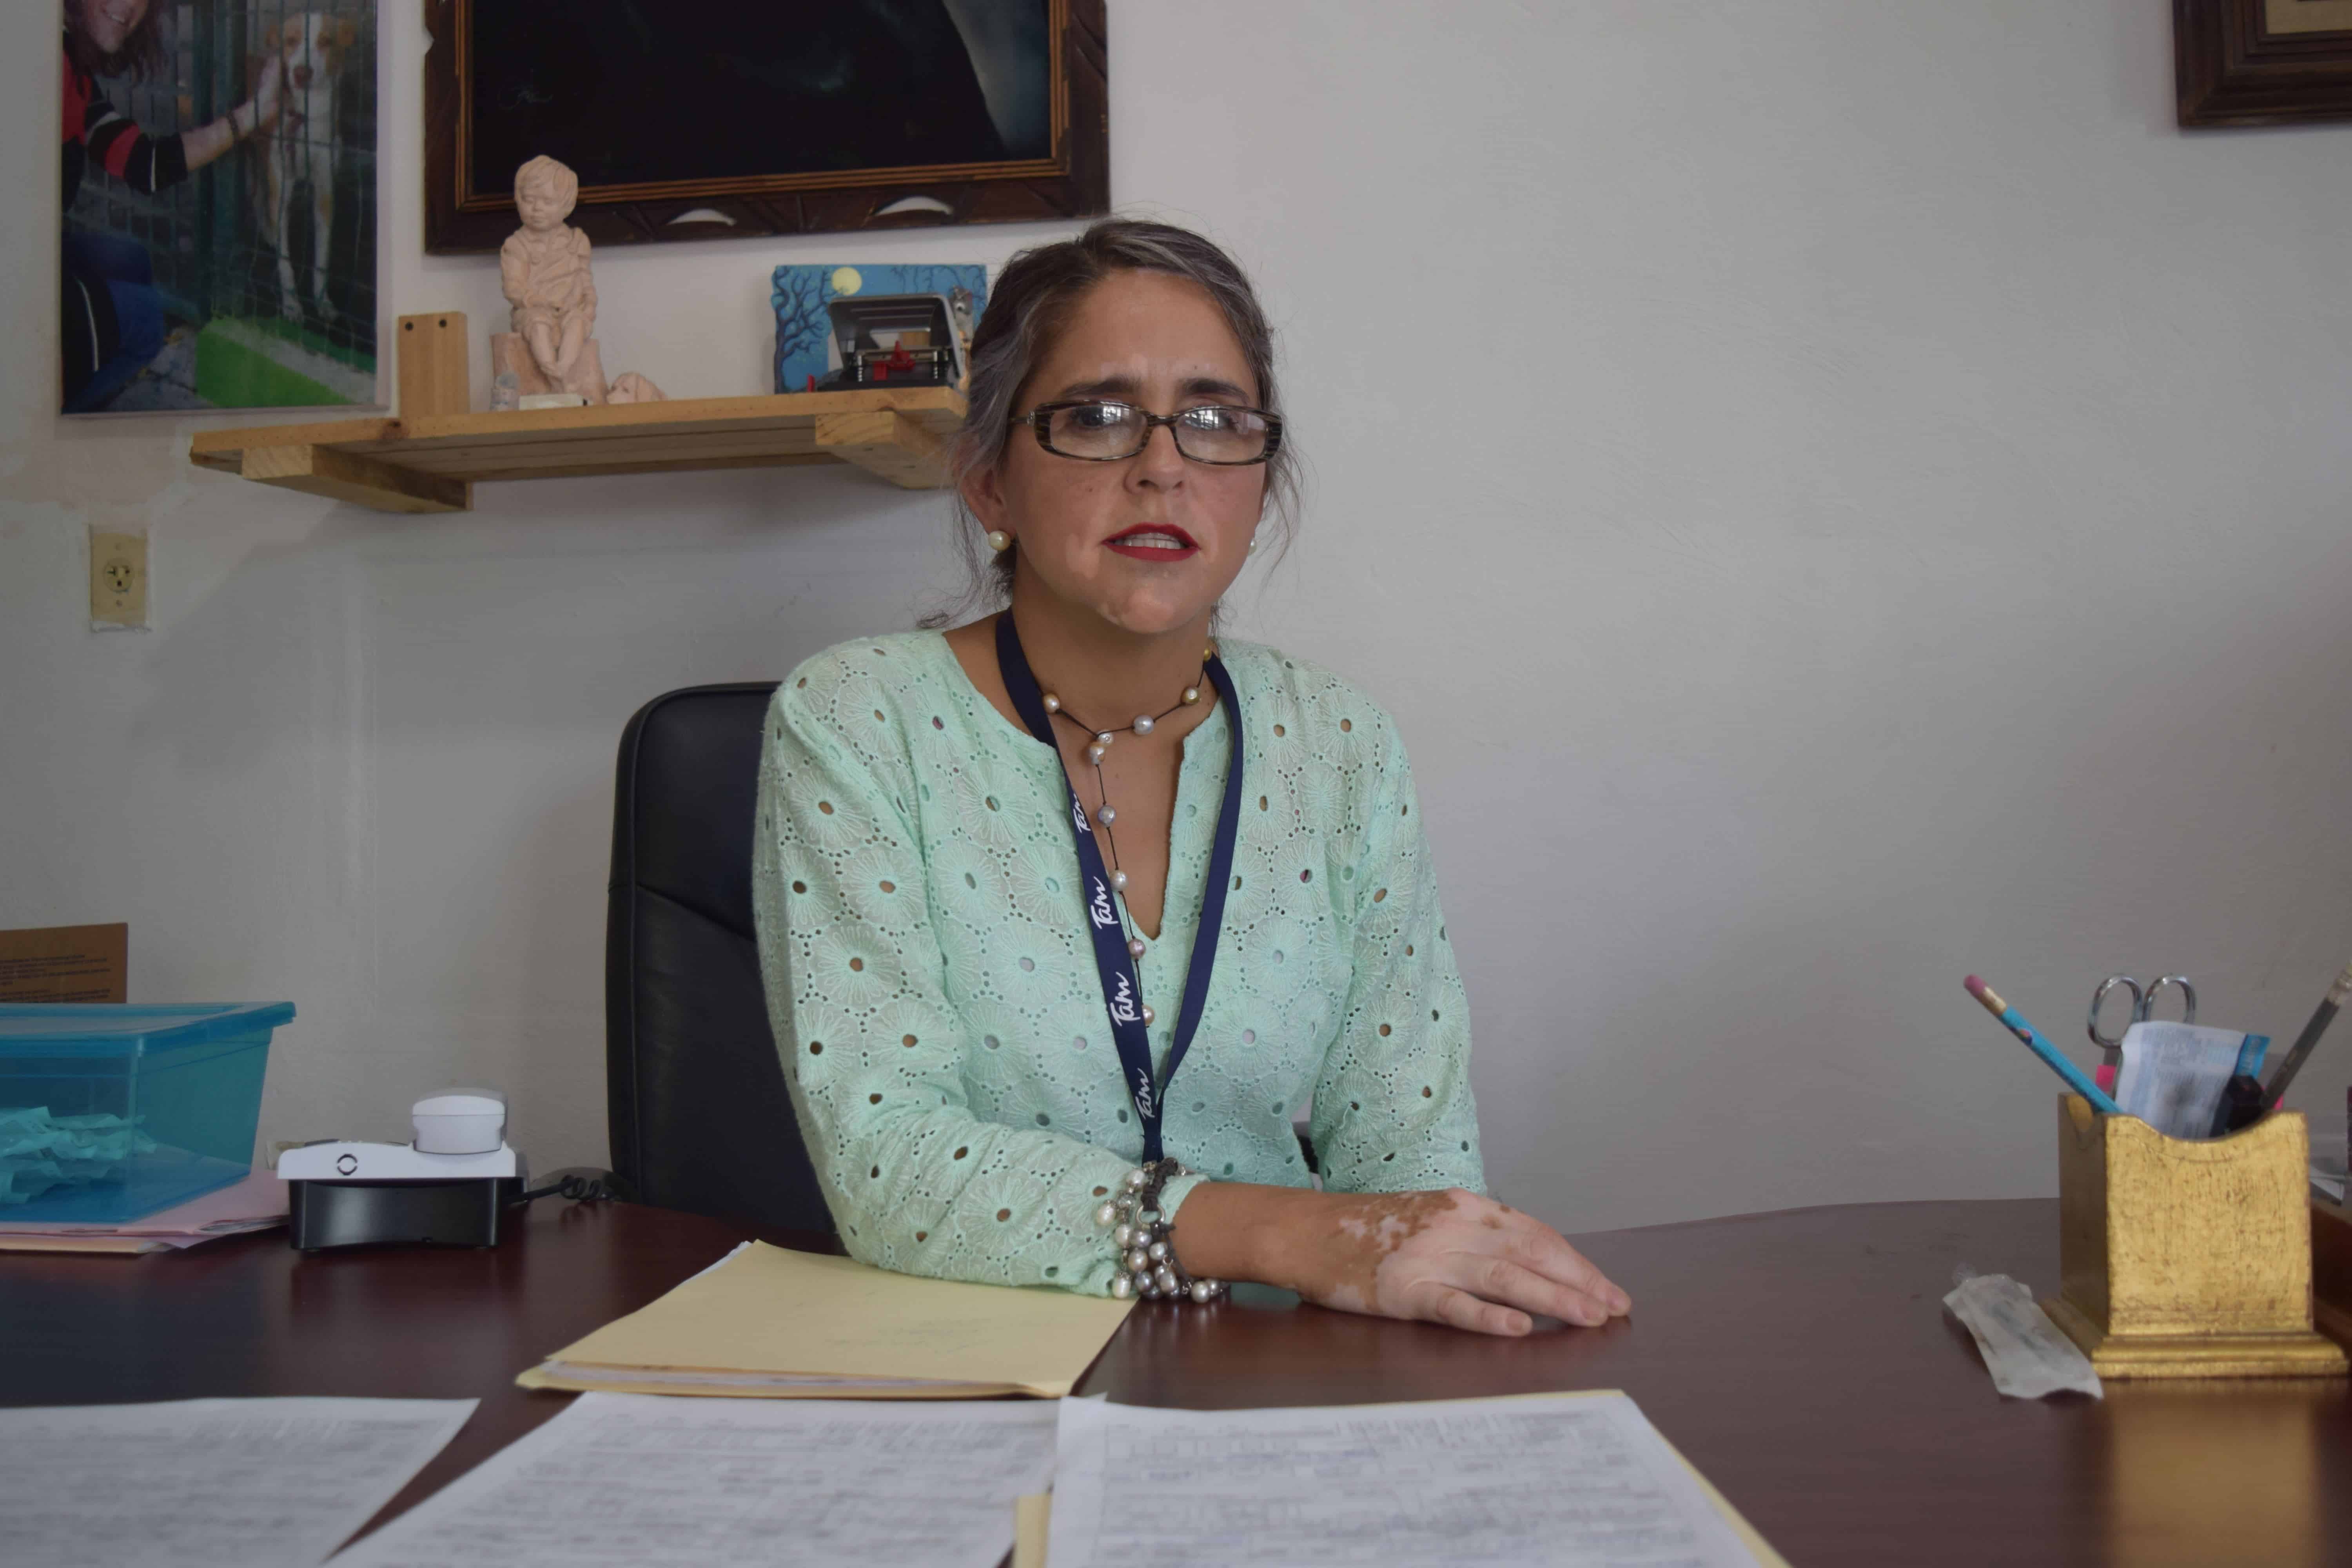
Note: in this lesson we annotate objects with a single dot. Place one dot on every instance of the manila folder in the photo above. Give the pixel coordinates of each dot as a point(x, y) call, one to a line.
point(769, 1322)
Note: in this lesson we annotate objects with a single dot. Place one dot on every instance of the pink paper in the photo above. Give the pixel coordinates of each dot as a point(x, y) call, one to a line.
point(261, 1197)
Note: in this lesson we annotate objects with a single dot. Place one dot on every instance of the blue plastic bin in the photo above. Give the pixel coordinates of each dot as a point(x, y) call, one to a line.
point(110, 1113)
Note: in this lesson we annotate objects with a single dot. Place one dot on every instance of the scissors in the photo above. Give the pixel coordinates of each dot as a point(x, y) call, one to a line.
point(2143, 1002)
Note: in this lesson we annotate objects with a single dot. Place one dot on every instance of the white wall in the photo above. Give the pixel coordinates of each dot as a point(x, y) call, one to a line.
point(1838, 495)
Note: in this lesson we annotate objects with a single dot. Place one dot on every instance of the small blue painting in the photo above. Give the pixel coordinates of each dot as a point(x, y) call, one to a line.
point(800, 295)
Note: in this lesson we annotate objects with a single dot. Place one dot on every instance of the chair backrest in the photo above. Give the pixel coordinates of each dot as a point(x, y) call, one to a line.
point(699, 1114)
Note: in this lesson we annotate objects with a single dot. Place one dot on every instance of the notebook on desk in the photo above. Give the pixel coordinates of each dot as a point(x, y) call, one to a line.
point(767, 1322)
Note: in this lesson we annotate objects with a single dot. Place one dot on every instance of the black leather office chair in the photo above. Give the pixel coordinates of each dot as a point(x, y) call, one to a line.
point(696, 1102)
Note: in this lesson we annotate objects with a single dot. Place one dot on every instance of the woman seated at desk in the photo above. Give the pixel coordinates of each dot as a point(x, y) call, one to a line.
point(1055, 901)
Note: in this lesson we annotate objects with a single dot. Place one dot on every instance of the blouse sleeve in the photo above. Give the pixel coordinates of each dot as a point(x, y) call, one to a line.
point(873, 1050)
point(146, 163)
point(1393, 1110)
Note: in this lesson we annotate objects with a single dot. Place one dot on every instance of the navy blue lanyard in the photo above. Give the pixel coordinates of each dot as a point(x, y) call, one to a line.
point(1122, 991)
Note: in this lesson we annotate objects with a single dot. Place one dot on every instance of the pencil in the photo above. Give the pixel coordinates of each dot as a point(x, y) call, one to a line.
point(2321, 1016)
point(2076, 1077)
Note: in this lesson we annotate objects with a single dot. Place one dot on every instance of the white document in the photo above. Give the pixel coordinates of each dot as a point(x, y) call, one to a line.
point(1563, 1479)
point(240, 1483)
point(700, 1483)
point(2173, 1076)
point(2327, 1176)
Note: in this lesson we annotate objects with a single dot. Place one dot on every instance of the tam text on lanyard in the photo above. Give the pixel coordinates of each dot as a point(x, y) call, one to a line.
point(1123, 992)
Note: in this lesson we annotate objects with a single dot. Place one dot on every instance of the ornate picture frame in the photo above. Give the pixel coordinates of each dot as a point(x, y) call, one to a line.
point(1059, 169)
point(2263, 62)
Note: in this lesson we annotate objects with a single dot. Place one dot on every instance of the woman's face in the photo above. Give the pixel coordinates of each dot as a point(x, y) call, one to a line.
point(108, 24)
point(1150, 542)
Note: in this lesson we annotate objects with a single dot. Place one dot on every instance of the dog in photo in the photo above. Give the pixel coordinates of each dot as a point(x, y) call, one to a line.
point(298, 152)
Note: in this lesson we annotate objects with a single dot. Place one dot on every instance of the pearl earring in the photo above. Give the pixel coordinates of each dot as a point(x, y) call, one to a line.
point(1253, 544)
point(999, 541)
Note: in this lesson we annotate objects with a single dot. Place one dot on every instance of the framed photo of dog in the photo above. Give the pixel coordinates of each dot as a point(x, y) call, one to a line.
point(218, 223)
point(2263, 62)
point(749, 118)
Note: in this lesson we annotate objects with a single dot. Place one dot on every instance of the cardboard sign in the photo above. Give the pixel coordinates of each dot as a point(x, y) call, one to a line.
point(65, 963)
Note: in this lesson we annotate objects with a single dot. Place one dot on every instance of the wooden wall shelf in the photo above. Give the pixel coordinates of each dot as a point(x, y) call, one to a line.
point(427, 461)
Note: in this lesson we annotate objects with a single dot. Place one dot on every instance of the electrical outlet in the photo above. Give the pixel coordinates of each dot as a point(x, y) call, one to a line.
point(118, 581)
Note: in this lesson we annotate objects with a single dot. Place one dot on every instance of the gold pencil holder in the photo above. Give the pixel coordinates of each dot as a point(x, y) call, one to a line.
point(2187, 1260)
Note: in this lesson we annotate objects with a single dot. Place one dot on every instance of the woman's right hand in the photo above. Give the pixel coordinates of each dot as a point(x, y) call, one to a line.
point(270, 94)
point(1450, 1257)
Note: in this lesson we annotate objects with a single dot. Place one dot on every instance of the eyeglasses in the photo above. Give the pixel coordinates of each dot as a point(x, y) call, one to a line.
point(1100, 432)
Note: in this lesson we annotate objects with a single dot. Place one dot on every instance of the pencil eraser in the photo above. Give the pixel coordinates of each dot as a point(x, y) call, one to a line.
point(1977, 987)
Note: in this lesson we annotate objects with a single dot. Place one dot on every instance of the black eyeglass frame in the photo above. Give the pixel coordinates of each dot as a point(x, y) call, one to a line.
point(1037, 420)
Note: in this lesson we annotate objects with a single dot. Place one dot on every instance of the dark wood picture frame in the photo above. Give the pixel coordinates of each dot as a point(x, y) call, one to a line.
point(2231, 68)
point(1074, 182)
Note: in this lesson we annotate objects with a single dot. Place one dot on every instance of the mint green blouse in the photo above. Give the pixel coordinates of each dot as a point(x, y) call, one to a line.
point(934, 993)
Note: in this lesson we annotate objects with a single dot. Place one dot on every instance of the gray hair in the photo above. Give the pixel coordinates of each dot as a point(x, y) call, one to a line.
point(1026, 310)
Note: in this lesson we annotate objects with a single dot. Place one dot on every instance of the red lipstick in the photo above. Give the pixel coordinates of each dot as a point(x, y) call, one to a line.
point(1162, 541)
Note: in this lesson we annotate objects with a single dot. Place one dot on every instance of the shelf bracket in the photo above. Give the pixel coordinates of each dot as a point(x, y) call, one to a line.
point(885, 443)
point(348, 476)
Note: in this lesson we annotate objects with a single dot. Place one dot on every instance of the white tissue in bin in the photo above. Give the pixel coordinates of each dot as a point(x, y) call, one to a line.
point(38, 1151)
point(459, 1121)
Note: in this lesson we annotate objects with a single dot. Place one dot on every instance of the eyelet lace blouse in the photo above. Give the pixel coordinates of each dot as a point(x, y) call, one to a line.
point(934, 993)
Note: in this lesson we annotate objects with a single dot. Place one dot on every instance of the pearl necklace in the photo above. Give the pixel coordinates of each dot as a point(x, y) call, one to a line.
point(1107, 814)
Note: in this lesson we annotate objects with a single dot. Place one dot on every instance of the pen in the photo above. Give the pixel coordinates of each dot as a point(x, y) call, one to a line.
point(2050, 1054)
point(2321, 1016)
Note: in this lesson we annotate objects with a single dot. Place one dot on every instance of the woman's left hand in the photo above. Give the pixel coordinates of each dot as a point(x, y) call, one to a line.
point(1455, 1256)
point(1449, 1256)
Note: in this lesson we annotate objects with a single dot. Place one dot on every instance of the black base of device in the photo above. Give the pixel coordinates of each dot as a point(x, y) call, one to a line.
point(398, 1214)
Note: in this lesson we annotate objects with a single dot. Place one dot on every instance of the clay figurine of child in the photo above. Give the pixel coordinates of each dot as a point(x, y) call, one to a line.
point(543, 269)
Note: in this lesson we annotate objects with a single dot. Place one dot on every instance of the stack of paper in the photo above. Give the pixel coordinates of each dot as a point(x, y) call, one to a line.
point(208, 1483)
point(693, 1483)
point(257, 1202)
point(769, 1322)
point(1576, 1481)
point(1573, 1480)
point(2327, 1176)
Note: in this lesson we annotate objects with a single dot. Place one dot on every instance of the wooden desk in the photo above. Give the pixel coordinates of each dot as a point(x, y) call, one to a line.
point(1800, 1360)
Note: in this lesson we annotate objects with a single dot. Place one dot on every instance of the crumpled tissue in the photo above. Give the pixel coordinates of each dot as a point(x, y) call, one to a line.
point(38, 1151)
point(2027, 1354)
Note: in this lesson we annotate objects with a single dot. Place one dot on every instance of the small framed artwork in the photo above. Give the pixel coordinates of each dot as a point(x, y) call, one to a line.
point(818, 347)
point(2263, 62)
point(218, 222)
point(761, 119)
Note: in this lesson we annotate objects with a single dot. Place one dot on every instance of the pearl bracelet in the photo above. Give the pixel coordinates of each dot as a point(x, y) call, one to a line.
point(1147, 1258)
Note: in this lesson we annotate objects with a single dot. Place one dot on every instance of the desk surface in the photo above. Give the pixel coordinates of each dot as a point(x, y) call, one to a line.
point(1801, 1360)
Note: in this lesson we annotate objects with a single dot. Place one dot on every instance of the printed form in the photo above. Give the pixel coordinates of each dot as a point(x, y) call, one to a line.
point(1566, 1478)
point(208, 1483)
point(645, 1479)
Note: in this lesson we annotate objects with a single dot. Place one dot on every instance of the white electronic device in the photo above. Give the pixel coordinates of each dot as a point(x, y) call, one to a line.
point(345, 1159)
point(447, 1188)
